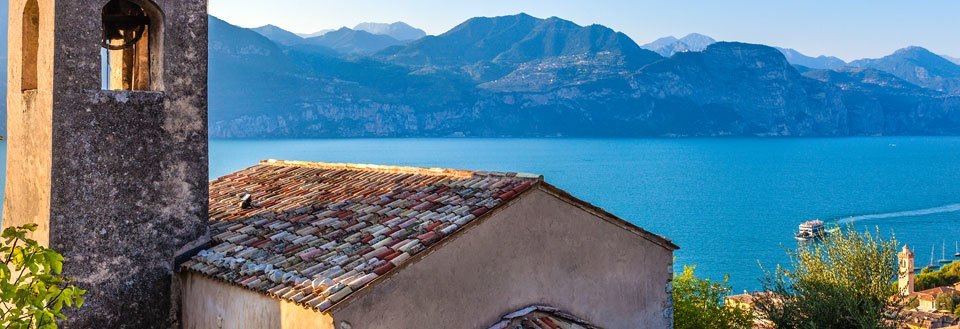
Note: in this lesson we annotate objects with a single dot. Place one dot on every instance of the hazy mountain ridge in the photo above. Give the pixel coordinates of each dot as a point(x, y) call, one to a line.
point(364, 39)
point(279, 35)
point(819, 62)
point(918, 66)
point(399, 30)
point(668, 46)
point(955, 60)
point(524, 76)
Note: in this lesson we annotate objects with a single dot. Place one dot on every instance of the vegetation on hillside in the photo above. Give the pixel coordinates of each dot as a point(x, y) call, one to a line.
point(841, 282)
point(945, 276)
point(33, 289)
point(698, 303)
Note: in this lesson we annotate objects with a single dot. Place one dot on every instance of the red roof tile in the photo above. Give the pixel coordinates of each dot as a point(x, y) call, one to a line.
point(317, 232)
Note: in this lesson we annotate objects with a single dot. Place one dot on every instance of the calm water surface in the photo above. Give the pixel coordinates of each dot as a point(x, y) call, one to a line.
point(728, 203)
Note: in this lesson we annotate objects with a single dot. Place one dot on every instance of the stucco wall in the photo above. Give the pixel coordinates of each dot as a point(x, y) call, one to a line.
point(118, 180)
point(209, 304)
point(538, 250)
point(29, 133)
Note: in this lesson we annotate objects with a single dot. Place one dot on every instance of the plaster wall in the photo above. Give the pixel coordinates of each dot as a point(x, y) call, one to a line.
point(210, 304)
point(540, 249)
point(29, 132)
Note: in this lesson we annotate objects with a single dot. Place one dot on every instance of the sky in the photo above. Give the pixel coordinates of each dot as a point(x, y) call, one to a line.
point(849, 29)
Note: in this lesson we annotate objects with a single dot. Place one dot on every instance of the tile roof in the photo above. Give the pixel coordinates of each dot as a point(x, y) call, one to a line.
point(313, 233)
point(541, 317)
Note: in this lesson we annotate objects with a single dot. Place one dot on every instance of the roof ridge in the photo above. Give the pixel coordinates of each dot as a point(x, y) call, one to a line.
point(397, 169)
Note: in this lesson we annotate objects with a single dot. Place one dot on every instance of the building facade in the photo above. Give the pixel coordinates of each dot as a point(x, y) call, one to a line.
point(354, 246)
point(906, 276)
point(107, 149)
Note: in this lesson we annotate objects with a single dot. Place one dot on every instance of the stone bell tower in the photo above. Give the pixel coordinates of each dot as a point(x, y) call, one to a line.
point(906, 276)
point(107, 146)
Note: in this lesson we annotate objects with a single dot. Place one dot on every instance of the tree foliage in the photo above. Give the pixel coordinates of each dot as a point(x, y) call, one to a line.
point(946, 302)
point(33, 290)
point(698, 303)
point(947, 275)
point(843, 281)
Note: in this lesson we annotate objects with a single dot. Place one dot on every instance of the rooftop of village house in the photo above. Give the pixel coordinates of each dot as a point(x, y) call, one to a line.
point(545, 317)
point(314, 233)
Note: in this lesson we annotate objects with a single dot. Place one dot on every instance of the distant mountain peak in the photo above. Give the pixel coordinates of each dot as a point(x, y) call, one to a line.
point(315, 34)
point(353, 42)
point(490, 47)
point(819, 62)
point(919, 66)
point(397, 30)
point(670, 45)
point(278, 35)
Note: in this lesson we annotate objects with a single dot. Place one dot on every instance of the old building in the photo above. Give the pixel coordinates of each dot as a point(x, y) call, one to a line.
point(314, 245)
point(113, 168)
point(107, 153)
point(906, 277)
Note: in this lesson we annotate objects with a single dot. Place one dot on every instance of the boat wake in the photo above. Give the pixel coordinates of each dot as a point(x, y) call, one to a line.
point(909, 213)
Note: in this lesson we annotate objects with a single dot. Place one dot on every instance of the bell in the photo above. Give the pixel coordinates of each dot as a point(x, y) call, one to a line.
point(124, 23)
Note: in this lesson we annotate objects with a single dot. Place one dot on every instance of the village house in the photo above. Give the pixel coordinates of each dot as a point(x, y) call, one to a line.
point(747, 301)
point(108, 155)
point(316, 245)
point(926, 314)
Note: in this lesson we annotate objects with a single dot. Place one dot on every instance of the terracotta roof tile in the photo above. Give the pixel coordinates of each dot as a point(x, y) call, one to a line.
point(318, 232)
point(541, 317)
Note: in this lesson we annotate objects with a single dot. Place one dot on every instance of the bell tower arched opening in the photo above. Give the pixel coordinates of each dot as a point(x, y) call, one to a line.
point(132, 41)
point(31, 44)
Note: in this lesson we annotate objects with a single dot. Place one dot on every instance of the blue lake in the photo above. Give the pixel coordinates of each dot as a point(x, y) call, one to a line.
point(728, 203)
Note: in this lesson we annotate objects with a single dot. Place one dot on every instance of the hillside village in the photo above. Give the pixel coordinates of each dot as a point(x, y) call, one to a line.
point(933, 308)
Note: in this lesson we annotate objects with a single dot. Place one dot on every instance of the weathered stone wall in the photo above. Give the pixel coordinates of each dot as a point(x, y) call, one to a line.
point(209, 304)
point(125, 172)
point(538, 250)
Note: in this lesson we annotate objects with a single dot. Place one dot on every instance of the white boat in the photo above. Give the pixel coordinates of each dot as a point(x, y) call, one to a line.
point(811, 230)
point(933, 265)
point(943, 254)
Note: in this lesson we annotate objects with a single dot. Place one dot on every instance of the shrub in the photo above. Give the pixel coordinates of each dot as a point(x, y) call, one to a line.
point(33, 289)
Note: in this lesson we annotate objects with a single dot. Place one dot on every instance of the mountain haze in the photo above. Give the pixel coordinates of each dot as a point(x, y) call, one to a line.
point(279, 35)
point(952, 59)
point(525, 76)
point(819, 62)
point(399, 30)
point(490, 47)
point(668, 46)
point(315, 34)
point(353, 42)
point(918, 66)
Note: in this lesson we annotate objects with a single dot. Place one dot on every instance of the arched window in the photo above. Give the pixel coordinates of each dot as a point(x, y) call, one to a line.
point(132, 39)
point(30, 43)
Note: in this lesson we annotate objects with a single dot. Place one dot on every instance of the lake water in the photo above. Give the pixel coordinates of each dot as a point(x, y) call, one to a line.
point(728, 203)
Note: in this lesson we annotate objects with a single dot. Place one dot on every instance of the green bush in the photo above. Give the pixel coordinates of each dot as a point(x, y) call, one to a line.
point(698, 303)
point(840, 282)
point(947, 275)
point(33, 290)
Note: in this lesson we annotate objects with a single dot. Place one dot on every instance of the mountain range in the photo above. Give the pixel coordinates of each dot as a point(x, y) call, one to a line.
point(525, 76)
point(364, 39)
